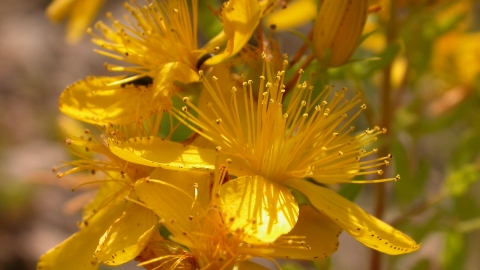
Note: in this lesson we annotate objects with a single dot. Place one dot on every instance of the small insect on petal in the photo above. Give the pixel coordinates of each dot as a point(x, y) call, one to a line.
point(142, 81)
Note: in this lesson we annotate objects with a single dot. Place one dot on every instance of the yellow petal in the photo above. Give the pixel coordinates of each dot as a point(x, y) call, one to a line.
point(127, 236)
point(108, 190)
point(171, 195)
point(165, 78)
point(263, 208)
point(89, 101)
point(216, 41)
point(77, 251)
point(296, 14)
point(367, 229)
point(318, 232)
point(240, 18)
point(155, 152)
point(82, 14)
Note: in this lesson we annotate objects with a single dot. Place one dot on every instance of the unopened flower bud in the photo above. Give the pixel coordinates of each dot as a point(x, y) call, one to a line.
point(337, 30)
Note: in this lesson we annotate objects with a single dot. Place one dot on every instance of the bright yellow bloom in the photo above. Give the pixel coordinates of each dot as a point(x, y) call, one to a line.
point(158, 47)
point(311, 137)
point(190, 211)
point(107, 216)
point(272, 147)
point(80, 12)
point(338, 29)
point(188, 203)
point(239, 18)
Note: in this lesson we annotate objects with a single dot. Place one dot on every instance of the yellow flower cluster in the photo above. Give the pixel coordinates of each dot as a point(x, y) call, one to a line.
point(225, 194)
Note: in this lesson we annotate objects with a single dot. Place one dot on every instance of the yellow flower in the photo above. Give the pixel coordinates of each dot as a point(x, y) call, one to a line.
point(188, 203)
point(107, 216)
point(81, 13)
point(158, 48)
point(338, 29)
point(300, 243)
point(190, 212)
point(311, 137)
point(272, 147)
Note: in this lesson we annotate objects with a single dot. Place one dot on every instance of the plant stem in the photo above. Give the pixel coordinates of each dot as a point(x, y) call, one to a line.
point(385, 121)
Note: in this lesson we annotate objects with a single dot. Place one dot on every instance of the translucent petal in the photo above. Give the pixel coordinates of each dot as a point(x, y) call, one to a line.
point(155, 152)
point(318, 232)
point(296, 14)
point(367, 229)
point(107, 190)
point(240, 18)
point(89, 101)
point(171, 195)
point(127, 236)
point(76, 252)
point(263, 208)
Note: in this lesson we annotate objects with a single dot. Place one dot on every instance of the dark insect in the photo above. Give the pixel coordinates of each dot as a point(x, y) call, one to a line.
point(204, 58)
point(142, 81)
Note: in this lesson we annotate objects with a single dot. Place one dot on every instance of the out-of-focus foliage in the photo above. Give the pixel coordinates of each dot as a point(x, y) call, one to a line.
point(430, 55)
